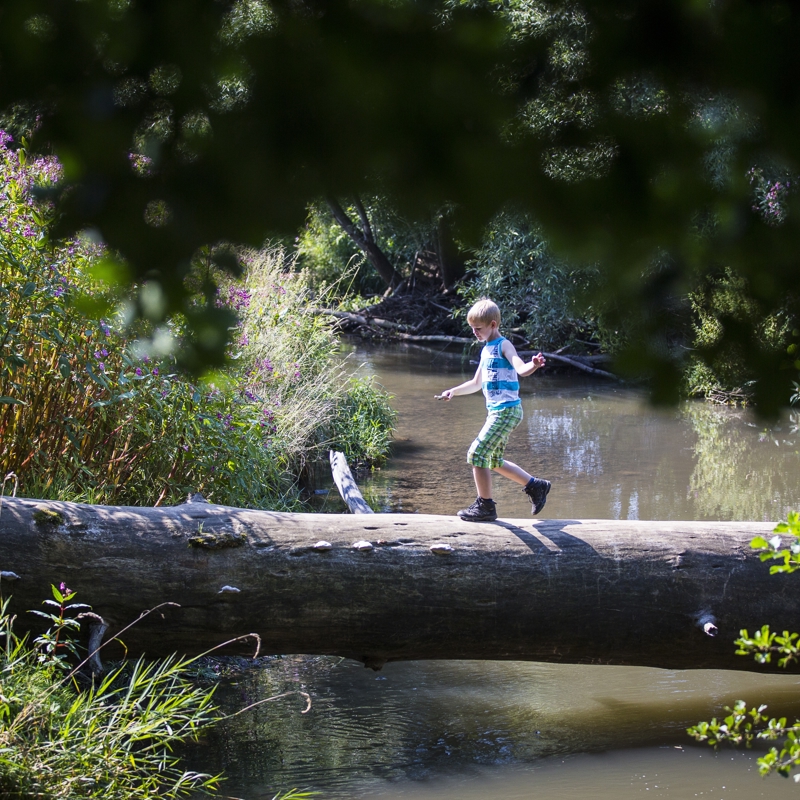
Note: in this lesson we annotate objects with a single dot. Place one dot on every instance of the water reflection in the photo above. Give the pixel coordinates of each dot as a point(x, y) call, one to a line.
point(609, 455)
point(420, 721)
point(743, 470)
point(458, 729)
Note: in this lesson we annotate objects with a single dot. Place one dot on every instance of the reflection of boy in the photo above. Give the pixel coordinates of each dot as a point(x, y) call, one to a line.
point(497, 376)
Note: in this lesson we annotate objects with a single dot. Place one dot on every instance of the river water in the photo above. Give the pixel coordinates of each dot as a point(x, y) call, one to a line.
point(461, 729)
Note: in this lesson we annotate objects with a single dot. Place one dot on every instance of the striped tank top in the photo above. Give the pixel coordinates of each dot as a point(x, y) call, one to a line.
point(499, 379)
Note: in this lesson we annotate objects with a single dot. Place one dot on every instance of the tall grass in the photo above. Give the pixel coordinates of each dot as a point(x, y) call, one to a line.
point(113, 739)
point(86, 415)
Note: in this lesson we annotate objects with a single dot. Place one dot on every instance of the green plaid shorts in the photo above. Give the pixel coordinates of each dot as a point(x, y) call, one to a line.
point(488, 448)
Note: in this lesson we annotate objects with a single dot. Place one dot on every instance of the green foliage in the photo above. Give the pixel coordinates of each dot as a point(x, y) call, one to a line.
point(111, 740)
point(335, 265)
point(630, 134)
point(719, 366)
point(774, 548)
point(363, 423)
point(534, 289)
point(87, 413)
point(743, 726)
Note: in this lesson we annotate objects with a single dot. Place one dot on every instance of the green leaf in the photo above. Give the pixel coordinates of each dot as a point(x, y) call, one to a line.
point(11, 401)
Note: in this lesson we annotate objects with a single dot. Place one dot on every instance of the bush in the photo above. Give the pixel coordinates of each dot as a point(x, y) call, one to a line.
point(112, 740)
point(87, 414)
point(535, 291)
point(362, 424)
point(723, 301)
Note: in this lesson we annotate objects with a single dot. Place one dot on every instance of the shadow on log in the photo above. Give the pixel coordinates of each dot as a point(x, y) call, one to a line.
point(417, 587)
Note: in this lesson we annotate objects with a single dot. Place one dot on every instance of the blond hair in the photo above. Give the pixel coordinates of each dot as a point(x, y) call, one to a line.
point(483, 312)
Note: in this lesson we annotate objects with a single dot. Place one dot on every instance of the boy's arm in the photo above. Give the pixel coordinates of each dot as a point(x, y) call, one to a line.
point(523, 369)
point(468, 387)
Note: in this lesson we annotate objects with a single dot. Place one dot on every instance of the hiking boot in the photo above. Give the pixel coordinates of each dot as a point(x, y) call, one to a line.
point(537, 489)
point(480, 511)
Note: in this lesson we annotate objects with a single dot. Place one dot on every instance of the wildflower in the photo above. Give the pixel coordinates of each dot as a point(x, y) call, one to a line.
point(238, 298)
point(101, 366)
point(139, 372)
point(155, 370)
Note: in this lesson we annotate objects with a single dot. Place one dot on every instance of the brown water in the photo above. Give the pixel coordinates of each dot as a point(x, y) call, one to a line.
point(461, 729)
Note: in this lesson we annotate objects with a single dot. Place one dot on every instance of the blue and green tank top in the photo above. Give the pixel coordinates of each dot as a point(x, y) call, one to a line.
point(499, 379)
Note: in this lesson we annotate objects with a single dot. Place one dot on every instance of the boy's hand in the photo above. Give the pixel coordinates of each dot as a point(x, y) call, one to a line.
point(538, 361)
point(446, 395)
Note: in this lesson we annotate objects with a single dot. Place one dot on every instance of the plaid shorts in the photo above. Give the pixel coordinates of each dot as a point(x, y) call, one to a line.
point(488, 448)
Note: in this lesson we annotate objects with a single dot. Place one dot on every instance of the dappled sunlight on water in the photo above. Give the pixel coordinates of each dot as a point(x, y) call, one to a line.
point(469, 729)
point(608, 454)
point(428, 725)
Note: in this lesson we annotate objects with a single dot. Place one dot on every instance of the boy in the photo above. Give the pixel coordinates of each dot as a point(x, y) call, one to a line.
point(497, 376)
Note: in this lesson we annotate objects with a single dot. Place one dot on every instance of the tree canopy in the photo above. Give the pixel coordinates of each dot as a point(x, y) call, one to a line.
point(654, 139)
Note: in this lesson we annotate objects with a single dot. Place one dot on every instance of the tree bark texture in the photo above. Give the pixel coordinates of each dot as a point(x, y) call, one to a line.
point(574, 591)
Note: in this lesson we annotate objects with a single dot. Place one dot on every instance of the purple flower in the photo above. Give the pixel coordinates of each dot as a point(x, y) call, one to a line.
point(139, 371)
point(155, 370)
point(101, 366)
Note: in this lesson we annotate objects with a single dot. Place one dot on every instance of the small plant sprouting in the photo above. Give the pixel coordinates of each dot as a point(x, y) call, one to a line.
point(56, 644)
point(743, 725)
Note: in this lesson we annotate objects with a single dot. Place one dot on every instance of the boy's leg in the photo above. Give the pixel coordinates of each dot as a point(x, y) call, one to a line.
point(483, 481)
point(485, 454)
point(510, 470)
point(536, 488)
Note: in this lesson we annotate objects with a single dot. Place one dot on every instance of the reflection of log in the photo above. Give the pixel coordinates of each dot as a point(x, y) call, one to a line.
point(577, 591)
point(346, 484)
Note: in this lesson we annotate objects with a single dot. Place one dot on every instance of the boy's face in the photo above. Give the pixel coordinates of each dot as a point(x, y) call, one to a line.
point(484, 331)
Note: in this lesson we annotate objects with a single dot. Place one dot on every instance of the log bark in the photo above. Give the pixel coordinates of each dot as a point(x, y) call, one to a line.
point(575, 591)
point(346, 484)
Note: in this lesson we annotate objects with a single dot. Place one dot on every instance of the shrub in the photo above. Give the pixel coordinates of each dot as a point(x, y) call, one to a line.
point(112, 740)
point(535, 290)
point(723, 301)
point(87, 414)
point(362, 423)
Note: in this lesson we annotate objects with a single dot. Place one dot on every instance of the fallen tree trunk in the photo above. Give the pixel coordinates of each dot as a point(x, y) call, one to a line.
point(577, 591)
point(346, 484)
